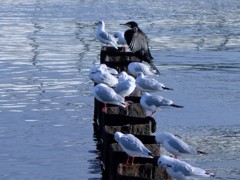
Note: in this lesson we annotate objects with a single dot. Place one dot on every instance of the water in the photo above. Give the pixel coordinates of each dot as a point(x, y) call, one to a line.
point(46, 106)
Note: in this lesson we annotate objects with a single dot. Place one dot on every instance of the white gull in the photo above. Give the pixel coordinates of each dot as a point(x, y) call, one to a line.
point(102, 75)
point(107, 95)
point(132, 146)
point(175, 145)
point(103, 68)
point(181, 170)
point(136, 67)
point(120, 38)
point(126, 84)
point(149, 84)
point(154, 102)
point(105, 37)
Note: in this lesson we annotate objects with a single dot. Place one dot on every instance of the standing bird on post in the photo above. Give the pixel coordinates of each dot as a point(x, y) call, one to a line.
point(181, 170)
point(175, 145)
point(154, 102)
point(105, 37)
point(137, 41)
point(132, 146)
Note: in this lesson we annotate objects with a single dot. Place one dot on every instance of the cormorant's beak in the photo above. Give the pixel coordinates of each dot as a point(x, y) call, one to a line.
point(125, 25)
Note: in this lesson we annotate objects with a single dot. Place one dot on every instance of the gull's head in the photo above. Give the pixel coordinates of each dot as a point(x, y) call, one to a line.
point(131, 24)
point(117, 34)
point(123, 76)
point(165, 161)
point(100, 24)
point(140, 74)
point(102, 67)
point(117, 136)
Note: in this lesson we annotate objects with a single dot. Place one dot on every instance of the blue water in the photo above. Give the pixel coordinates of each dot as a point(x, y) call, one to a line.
point(46, 105)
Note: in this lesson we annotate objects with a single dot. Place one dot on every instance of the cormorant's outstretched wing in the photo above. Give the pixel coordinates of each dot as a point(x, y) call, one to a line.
point(138, 43)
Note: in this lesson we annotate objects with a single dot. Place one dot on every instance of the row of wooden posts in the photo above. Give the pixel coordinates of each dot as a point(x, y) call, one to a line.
point(129, 120)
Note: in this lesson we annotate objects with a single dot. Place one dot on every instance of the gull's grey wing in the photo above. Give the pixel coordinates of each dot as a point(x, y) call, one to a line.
point(150, 84)
point(131, 143)
point(108, 95)
point(106, 36)
point(178, 145)
point(105, 94)
point(182, 167)
point(157, 101)
point(121, 87)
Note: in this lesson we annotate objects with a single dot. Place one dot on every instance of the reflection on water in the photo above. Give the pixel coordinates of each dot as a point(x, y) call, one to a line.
point(46, 104)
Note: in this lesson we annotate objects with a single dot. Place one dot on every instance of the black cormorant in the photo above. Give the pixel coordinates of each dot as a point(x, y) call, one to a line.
point(137, 41)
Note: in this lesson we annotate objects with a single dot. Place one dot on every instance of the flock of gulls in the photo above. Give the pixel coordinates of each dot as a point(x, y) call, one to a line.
point(112, 88)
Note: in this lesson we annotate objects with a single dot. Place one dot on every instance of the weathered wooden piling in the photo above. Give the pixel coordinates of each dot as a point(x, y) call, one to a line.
point(126, 120)
point(141, 172)
point(117, 59)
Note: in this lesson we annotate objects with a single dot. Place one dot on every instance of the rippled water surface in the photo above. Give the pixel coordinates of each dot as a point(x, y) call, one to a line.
point(46, 105)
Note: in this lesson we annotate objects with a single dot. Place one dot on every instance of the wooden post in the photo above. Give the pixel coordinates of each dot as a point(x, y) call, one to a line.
point(126, 120)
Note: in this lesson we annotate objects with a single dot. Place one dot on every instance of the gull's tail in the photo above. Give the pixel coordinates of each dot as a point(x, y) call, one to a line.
point(201, 152)
point(176, 106)
point(154, 68)
point(167, 88)
point(150, 155)
point(147, 57)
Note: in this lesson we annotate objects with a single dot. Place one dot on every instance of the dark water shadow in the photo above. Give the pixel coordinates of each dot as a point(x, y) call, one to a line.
point(96, 166)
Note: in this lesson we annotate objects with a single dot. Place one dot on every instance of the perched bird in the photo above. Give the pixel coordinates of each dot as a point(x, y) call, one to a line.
point(120, 38)
point(126, 85)
point(153, 102)
point(149, 84)
point(105, 78)
point(137, 41)
point(181, 170)
point(105, 37)
point(103, 68)
point(136, 67)
point(175, 145)
point(107, 95)
point(123, 76)
point(132, 146)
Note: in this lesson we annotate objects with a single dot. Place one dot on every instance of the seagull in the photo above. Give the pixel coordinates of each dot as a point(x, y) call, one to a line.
point(149, 84)
point(137, 41)
point(175, 145)
point(101, 67)
point(181, 170)
point(120, 38)
point(136, 67)
point(107, 95)
point(105, 37)
point(102, 75)
point(106, 78)
point(153, 102)
point(132, 146)
point(104, 67)
point(123, 76)
point(126, 85)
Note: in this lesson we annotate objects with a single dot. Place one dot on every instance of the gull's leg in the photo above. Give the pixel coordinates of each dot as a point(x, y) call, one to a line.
point(105, 108)
point(153, 112)
point(127, 159)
